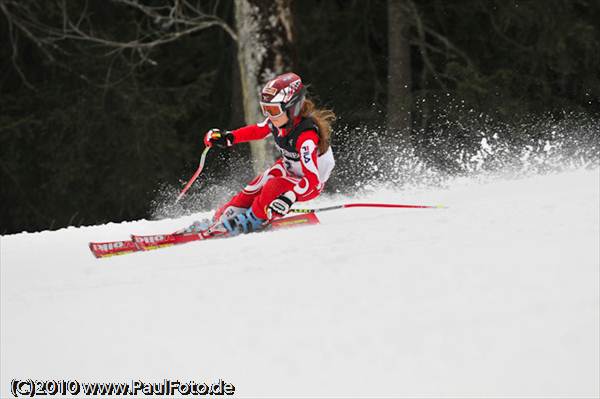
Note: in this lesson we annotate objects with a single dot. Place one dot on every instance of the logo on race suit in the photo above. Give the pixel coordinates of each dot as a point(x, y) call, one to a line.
point(306, 154)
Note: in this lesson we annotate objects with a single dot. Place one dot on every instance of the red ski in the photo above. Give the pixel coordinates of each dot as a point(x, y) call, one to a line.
point(112, 248)
point(147, 243)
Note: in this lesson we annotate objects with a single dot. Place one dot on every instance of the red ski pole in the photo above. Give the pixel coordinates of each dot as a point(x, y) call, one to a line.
point(367, 205)
point(193, 179)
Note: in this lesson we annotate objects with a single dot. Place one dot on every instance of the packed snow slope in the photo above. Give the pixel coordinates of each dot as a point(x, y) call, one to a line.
point(498, 295)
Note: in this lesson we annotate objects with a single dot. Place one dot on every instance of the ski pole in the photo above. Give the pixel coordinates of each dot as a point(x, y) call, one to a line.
point(193, 179)
point(367, 205)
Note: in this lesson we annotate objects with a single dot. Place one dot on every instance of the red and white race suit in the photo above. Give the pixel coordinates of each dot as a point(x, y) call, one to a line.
point(300, 169)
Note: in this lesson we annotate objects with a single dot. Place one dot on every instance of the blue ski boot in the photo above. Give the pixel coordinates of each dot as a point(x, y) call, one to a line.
point(245, 222)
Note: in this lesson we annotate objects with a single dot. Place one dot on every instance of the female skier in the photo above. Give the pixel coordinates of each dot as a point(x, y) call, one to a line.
point(301, 133)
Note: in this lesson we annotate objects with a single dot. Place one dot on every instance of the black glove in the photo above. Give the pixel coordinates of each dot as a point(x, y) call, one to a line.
point(281, 205)
point(218, 138)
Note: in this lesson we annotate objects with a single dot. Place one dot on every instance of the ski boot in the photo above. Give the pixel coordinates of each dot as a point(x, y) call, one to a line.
point(243, 223)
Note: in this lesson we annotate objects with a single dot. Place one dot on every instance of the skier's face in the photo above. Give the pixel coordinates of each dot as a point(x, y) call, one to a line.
point(280, 120)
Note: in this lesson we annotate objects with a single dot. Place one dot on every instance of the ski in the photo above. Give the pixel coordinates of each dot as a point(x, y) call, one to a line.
point(150, 242)
point(147, 243)
point(112, 248)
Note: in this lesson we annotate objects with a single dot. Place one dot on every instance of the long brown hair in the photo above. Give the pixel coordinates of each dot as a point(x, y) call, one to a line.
point(323, 118)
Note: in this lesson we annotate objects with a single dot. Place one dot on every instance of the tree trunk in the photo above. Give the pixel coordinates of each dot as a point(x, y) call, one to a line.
point(399, 104)
point(265, 38)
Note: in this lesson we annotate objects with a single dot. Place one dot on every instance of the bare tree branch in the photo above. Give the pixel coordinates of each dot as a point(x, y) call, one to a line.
point(421, 43)
point(154, 26)
point(14, 43)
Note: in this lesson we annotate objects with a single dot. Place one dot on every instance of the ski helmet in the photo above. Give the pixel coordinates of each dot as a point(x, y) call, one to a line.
point(285, 93)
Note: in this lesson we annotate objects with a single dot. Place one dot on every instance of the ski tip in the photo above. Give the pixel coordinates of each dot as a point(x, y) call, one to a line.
point(90, 245)
point(112, 248)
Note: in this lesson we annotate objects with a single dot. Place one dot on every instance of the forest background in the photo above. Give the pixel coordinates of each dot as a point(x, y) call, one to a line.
point(103, 104)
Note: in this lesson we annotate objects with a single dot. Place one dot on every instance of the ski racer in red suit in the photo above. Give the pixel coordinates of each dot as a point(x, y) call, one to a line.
point(301, 133)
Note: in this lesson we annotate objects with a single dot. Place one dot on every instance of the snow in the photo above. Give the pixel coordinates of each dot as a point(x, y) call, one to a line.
point(496, 296)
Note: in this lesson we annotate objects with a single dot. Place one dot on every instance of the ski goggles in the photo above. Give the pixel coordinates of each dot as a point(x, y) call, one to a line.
point(271, 109)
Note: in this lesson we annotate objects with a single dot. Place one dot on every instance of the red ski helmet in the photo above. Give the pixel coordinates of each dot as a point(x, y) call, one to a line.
point(285, 93)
